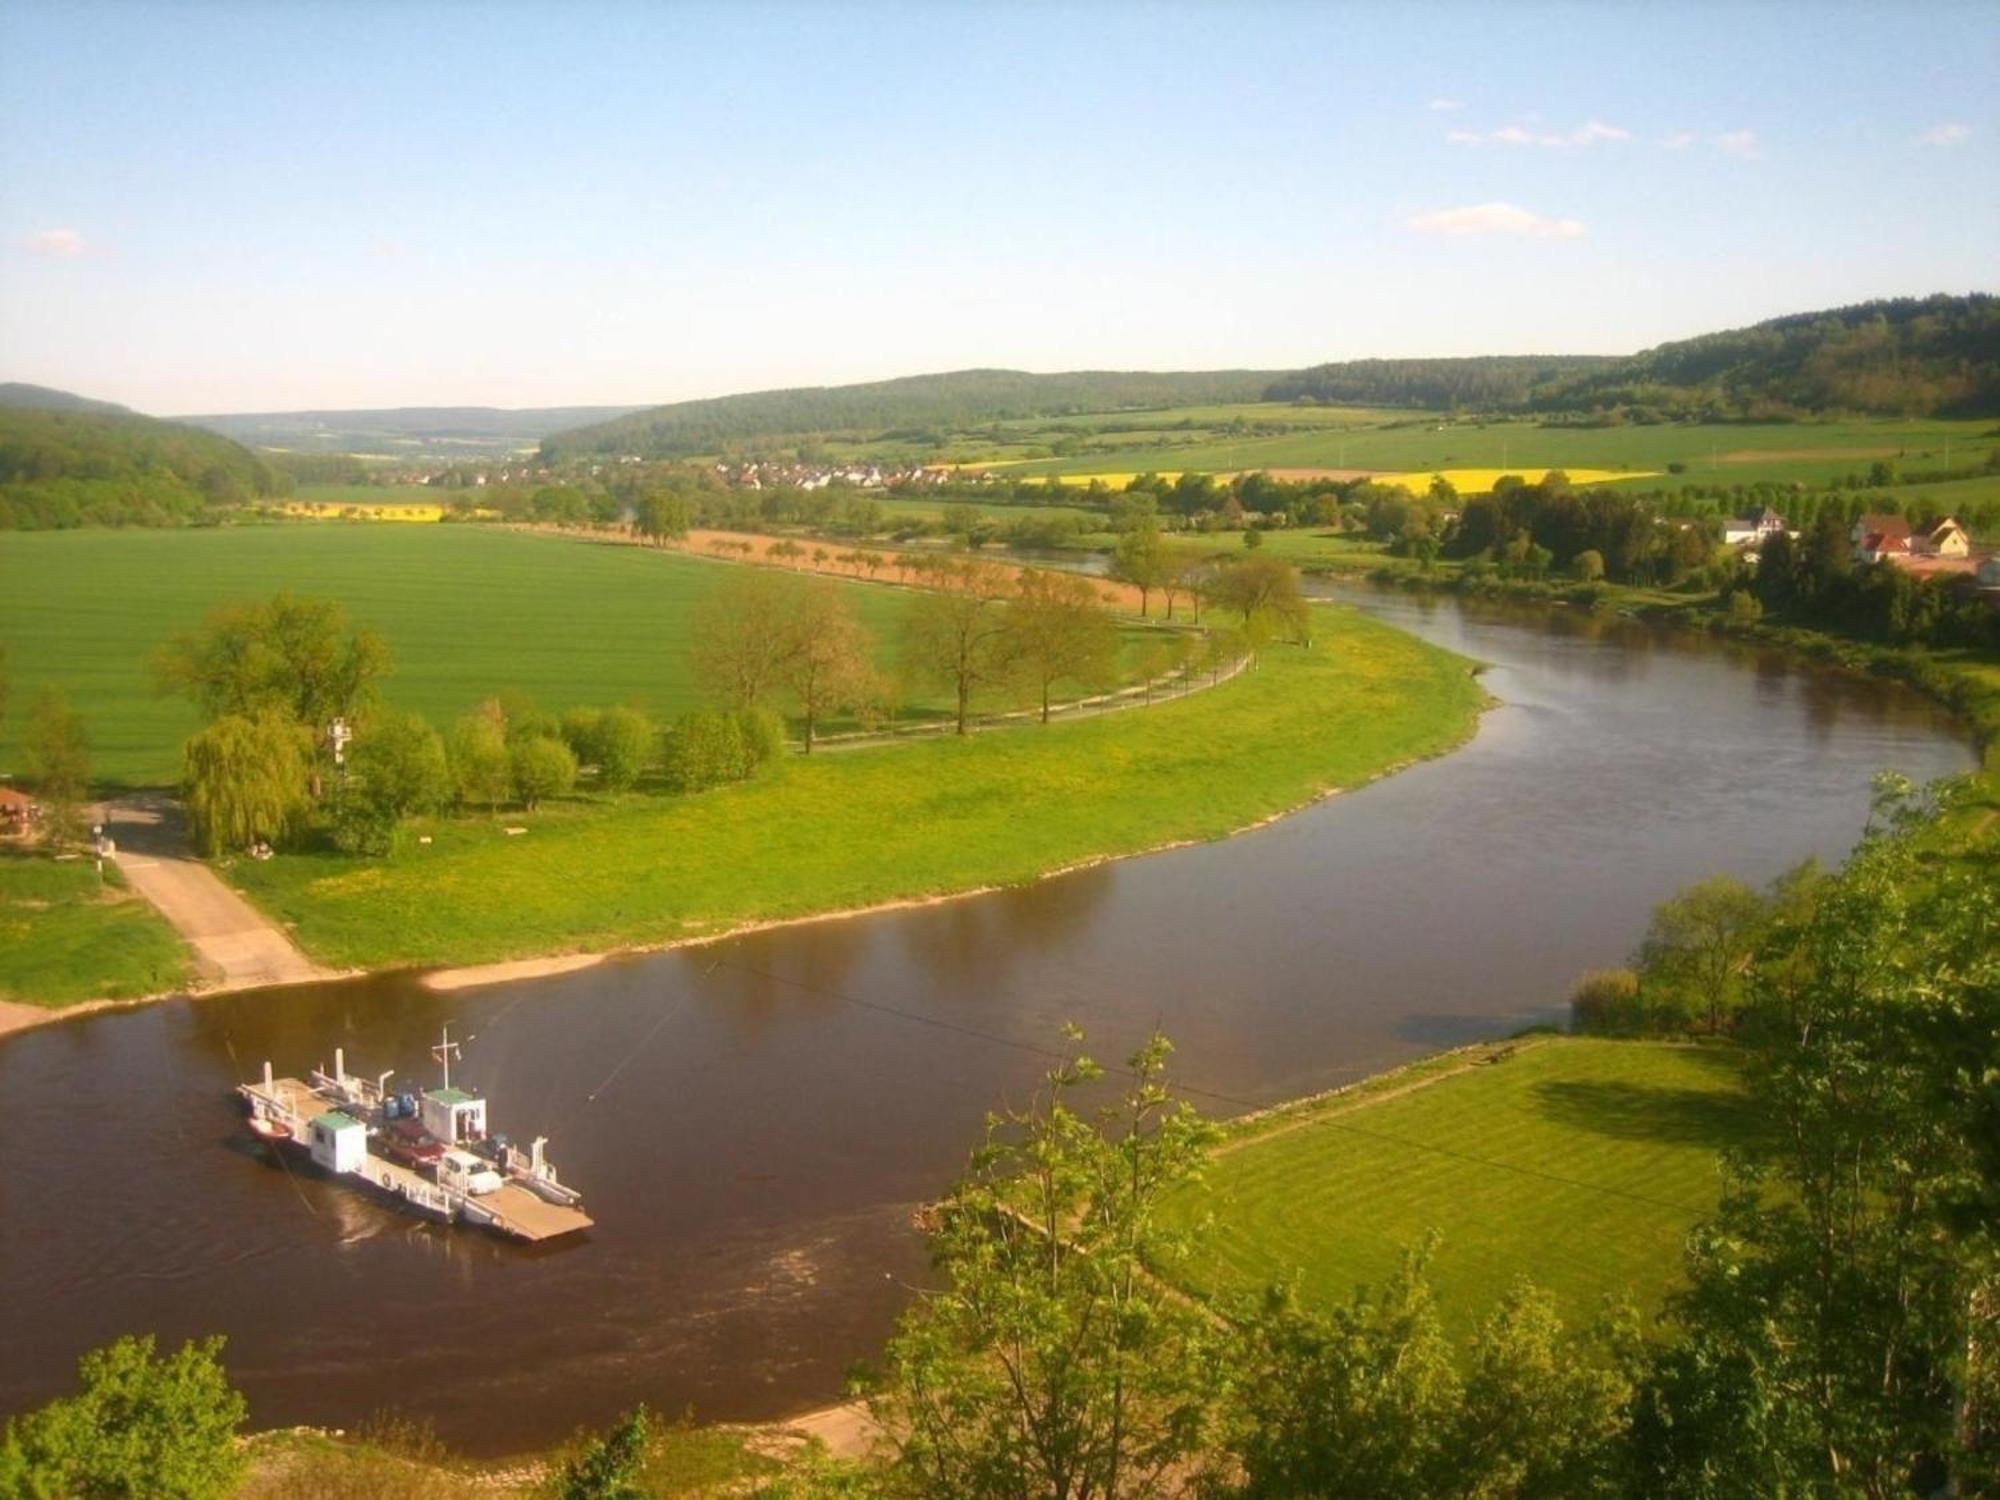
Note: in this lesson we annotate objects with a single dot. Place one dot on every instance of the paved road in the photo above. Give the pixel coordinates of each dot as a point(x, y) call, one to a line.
point(235, 946)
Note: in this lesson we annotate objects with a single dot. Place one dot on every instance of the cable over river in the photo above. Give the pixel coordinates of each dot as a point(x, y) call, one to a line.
point(757, 1120)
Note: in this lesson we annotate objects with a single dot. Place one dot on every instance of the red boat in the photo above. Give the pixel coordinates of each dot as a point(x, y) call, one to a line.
point(273, 1131)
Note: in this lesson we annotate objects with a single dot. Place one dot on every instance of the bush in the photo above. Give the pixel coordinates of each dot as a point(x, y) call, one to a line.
point(704, 749)
point(1745, 608)
point(624, 740)
point(481, 768)
point(1607, 1002)
point(763, 738)
point(543, 768)
point(162, 1427)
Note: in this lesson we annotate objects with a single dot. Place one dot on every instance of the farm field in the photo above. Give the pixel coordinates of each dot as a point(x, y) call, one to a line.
point(1815, 451)
point(63, 940)
point(892, 823)
point(1576, 1162)
point(468, 611)
point(373, 494)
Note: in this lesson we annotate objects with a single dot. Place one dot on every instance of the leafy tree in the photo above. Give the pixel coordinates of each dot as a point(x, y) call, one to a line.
point(830, 665)
point(1141, 559)
point(1056, 630)
point(6, 684)
point(1266, 590)
point(741, 637)
point(287, 654)
point(763, 735)
point(481, 768)
point(623, 744)
point(704, 748)
point(55, 748)
point(244, 780)
point(163, 1427)
point(956, 633)
point(1588, 565)
point(1699, 945)
point(396, 769)
point(661, 516)
point(610, 1467)
point(1050, 1361)
point(543, 767)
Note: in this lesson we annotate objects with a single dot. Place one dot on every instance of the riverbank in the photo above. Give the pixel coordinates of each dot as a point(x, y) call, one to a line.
point(904, 823)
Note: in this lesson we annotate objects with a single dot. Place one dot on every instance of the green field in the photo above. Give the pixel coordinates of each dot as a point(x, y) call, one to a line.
point(468, 611)
point(1578, 1163)
point(891, 823)
point(62, 939)
point(1807, 451)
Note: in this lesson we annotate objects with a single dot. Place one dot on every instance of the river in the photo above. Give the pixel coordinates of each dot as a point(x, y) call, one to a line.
point(755, 1122)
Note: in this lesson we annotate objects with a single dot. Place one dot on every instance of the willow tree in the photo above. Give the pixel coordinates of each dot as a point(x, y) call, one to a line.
point(245, 779)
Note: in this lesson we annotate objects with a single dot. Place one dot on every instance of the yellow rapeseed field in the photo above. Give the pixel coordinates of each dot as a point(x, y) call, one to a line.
point(1481, 481)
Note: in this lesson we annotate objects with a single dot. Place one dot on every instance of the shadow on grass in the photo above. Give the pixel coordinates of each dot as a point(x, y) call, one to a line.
point(1639, 1112)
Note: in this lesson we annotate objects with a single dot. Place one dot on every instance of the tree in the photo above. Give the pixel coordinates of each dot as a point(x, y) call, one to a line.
point(290, 655)
point(55, 748)
point(5, 685)
point(660, 516)
point(396, 769)
point(1140, 558)
point(741, 637)
point(163, 1427)
point(1057, 630)
point(481, 769)
point(244, 780)
point(1699, 945)
point(610, 1467)
point(1050, 1360)
point(703, 749)
point(829, 665)
point(623, 743)
point(956, 633)
point(1588, 565)
point(543, 767)
point(1263, 589)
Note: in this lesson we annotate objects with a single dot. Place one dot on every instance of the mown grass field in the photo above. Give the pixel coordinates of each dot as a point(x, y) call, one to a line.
point(63, 940)
point(1576, 1162)
point(835, 832)
point(468, 612)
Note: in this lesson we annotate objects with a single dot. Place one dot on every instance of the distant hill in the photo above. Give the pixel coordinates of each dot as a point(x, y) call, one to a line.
point(91, 463)
point(914, 404)
point(413, 432)
point(45, 398)
point(1907, 356)
point(1487, 382)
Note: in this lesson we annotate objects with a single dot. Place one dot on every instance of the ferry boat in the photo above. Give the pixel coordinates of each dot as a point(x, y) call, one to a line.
point(431, 1150)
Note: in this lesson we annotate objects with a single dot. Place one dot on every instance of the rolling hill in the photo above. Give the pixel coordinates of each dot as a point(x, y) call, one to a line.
point(413, 432)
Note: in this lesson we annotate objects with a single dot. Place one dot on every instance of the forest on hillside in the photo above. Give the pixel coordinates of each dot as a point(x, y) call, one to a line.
point(64, 467)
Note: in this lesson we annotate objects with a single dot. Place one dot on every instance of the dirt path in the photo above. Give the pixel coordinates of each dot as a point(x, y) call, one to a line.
point(235, 946)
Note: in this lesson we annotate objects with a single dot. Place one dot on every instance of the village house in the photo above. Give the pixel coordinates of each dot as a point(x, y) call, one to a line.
point(1877, 537)
point(17, 810)
point(1946, 539)
point(1750, 530)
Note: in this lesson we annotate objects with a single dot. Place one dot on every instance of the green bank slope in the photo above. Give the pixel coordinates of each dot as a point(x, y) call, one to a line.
point(1578, 1163)
point(900, 822)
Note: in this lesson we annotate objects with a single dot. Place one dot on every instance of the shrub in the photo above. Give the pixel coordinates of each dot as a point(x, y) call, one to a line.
point(623, 740)
point(543, 768)
point(1607, 1002)
point(481, 768)
point(763, 738)
point(1745, 608)
point(704, 749)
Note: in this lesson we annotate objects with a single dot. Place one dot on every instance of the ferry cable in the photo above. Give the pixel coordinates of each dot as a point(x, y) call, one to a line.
point(1382, 1137)
point(230, 1042)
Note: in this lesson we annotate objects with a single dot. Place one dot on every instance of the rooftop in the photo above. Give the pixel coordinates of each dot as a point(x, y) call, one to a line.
point(452, 1096)
point(333, 1119)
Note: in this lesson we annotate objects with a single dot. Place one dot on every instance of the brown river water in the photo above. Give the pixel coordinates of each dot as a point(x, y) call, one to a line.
point(754, 1122)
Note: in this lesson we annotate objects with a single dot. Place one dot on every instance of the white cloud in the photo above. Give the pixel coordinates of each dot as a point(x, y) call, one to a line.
point(1743, 143)
point(59, 244)
point(1587, 134)
point(1496, 218)
point(1678, 140)
point(1951, 133)
point(1446, 104)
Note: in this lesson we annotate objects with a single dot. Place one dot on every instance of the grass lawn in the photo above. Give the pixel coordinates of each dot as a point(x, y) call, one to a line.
point(1576, 1162)
point(62, 940)
point(468, 611)
point(841, 831)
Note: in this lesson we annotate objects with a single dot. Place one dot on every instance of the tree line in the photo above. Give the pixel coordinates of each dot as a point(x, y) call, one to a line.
point(65, 468)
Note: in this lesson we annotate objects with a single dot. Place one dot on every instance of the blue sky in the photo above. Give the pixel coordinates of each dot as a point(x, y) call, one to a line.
point(208, 207)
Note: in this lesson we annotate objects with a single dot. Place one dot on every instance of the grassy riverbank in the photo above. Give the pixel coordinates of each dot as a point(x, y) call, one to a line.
point(1578, 1163)
point(64, 939)
point(898, 823)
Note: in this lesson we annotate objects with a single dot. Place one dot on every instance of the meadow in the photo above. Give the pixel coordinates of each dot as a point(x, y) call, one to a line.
point(1577, 1163)
point(64, 938)
point(897, 822)
point(468, 611)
